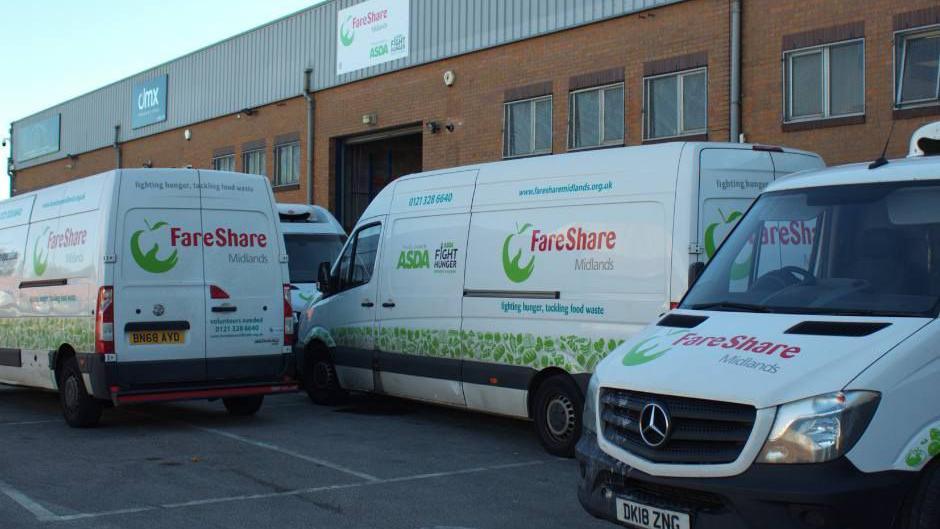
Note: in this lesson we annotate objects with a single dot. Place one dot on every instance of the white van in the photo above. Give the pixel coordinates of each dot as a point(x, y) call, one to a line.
point(498, 287)
point(798, 383)
point(312, 236)
point(146, 285)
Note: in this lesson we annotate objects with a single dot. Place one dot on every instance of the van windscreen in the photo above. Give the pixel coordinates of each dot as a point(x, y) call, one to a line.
point(305, 252)
point(867, 249)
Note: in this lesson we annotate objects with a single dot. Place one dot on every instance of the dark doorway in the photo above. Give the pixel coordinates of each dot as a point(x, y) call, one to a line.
point(366, 164)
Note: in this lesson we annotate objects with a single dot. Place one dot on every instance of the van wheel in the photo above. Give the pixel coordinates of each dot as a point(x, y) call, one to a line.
point(243, 406)
point(80, 409)
point(923, 505)
point(321, 382)
point(558, 407)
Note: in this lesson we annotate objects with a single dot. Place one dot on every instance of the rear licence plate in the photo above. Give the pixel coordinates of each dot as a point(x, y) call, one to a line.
point(639, 515)
point(156, 337)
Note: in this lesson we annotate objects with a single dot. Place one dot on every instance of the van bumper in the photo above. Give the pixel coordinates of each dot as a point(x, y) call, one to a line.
point(108, 384)
point(833, 495)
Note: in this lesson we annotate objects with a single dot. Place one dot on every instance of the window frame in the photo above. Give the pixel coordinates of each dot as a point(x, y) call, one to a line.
point(246, 154)
point(352, 243)
point(601, 125)
point(507, 130)
point(825, 50)
point(680, 110)
point(902, 37)
point(277, 165)
point(216, 159)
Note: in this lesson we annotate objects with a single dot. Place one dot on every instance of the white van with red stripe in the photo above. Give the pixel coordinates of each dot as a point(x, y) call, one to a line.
point(146, 285)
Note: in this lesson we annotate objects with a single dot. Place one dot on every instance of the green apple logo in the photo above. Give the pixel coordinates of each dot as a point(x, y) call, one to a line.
point(346, 34)
point(305, 297)
point(637, 355)
point(914, 457)
point(149, 261)
point(710, 245)
point(40, 261)
point(514, 272)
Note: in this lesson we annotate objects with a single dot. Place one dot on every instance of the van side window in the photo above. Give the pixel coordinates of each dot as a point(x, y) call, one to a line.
point(358, 261)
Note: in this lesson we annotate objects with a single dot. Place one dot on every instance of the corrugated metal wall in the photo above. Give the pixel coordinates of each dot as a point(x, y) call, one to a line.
point(266, 64)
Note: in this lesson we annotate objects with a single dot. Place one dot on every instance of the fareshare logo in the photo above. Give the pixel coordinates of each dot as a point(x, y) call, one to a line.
point(516, 273)
point(149, 261)
point(346, 33)
point(649, 349)
point(40, 260)
point(710, 246)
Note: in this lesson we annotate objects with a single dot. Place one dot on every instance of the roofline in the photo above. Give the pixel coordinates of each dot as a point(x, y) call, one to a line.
point(322, 4)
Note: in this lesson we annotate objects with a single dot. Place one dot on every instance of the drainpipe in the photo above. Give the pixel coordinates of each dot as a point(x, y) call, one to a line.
point(11, 172)
point(308, 171)
point(735, 125)
point(117, 146)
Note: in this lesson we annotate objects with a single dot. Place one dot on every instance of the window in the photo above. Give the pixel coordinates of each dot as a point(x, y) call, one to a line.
point(287, 164)
point(356, 264)
point(224, 163)
point(917, 68)
point(253, 162)
point(528, 127)
point(306, 251)
point(596, 117)
point(825, 81)
point(676, 104)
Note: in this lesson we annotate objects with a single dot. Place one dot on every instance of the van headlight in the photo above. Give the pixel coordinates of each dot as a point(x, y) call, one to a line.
point(589, 417)
point(819, 429)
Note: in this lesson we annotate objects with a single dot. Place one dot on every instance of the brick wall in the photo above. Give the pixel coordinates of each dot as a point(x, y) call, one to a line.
point(624, 47)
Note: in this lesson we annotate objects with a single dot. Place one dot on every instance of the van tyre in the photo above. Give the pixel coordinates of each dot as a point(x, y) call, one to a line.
point(923, 506)
point(557, 412)
point(80, 409)
point(321, 382)
point(243, 406)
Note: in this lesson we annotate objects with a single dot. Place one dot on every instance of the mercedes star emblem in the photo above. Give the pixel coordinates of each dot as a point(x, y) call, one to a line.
point(655, 425)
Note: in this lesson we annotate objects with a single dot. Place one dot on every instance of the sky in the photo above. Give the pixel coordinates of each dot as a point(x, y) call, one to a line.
point(54, 50)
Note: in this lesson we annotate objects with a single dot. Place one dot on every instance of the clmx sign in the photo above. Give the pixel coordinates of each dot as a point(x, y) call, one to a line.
point(148, 102)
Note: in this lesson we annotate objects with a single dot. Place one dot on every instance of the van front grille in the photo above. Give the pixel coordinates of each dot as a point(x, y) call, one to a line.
point(702, 432)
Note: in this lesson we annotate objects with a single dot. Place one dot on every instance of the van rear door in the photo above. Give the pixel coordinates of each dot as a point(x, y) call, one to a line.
point(729, 181)
point(244, 296)
point(159, 316)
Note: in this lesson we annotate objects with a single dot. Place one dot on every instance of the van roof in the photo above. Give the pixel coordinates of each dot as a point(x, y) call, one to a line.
point(905, 169)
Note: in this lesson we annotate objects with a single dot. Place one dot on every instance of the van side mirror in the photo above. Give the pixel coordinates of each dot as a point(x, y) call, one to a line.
point(325, 282)
point(695, 271)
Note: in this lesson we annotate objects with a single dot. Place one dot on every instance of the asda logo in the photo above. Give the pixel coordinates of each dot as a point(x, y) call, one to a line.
point(413, 259)
point(151, 261)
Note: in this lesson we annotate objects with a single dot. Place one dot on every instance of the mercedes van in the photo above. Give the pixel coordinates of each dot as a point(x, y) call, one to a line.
point(797, 385)
point(146, 285)
point(498, 287)
point(312, 235)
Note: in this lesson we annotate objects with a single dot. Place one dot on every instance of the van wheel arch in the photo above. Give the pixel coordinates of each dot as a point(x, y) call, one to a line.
point(60, 356)
point(319, 376)
point(556, 403)
point(537, 381)
point(922, 506)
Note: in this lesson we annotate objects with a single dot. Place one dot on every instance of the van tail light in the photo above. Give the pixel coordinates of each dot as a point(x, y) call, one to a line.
point(288, 318)
point(673, 305)
point(104, 321)
point(217, 292)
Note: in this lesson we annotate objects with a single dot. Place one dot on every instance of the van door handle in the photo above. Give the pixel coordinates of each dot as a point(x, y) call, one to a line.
point(225, 308)
point(388, 304)
point(368, 304)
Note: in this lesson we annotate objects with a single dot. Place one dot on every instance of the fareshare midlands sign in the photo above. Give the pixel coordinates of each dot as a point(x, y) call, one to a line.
point(148, 102)
point(371, 33)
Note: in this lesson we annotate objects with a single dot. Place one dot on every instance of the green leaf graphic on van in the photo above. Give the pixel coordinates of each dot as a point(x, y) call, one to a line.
point(710, 245)
point(149, 261)
point(40, 260)
point(637, 355)
point(516, 273)
point(346, 34)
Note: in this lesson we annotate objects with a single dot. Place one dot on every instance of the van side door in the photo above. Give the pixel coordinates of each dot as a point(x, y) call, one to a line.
point(421, 288)
point(349, 313)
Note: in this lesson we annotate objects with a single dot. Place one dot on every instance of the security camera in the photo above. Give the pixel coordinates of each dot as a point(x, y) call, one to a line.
point(433, 127)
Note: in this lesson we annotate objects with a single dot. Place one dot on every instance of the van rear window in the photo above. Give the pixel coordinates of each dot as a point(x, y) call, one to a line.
point(306, 251)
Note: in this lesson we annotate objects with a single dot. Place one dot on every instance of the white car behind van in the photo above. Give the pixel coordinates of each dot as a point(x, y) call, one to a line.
point(796, 386)
point(498, 287)
point(146, 285)
point(312, 236)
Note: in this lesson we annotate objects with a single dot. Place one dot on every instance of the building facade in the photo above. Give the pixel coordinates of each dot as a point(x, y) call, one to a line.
point(443, 83)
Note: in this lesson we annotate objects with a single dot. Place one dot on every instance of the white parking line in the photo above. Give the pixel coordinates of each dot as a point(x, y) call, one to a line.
point(285, 451)
point(24, 423)
point(287, 493)
point(41, 513)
